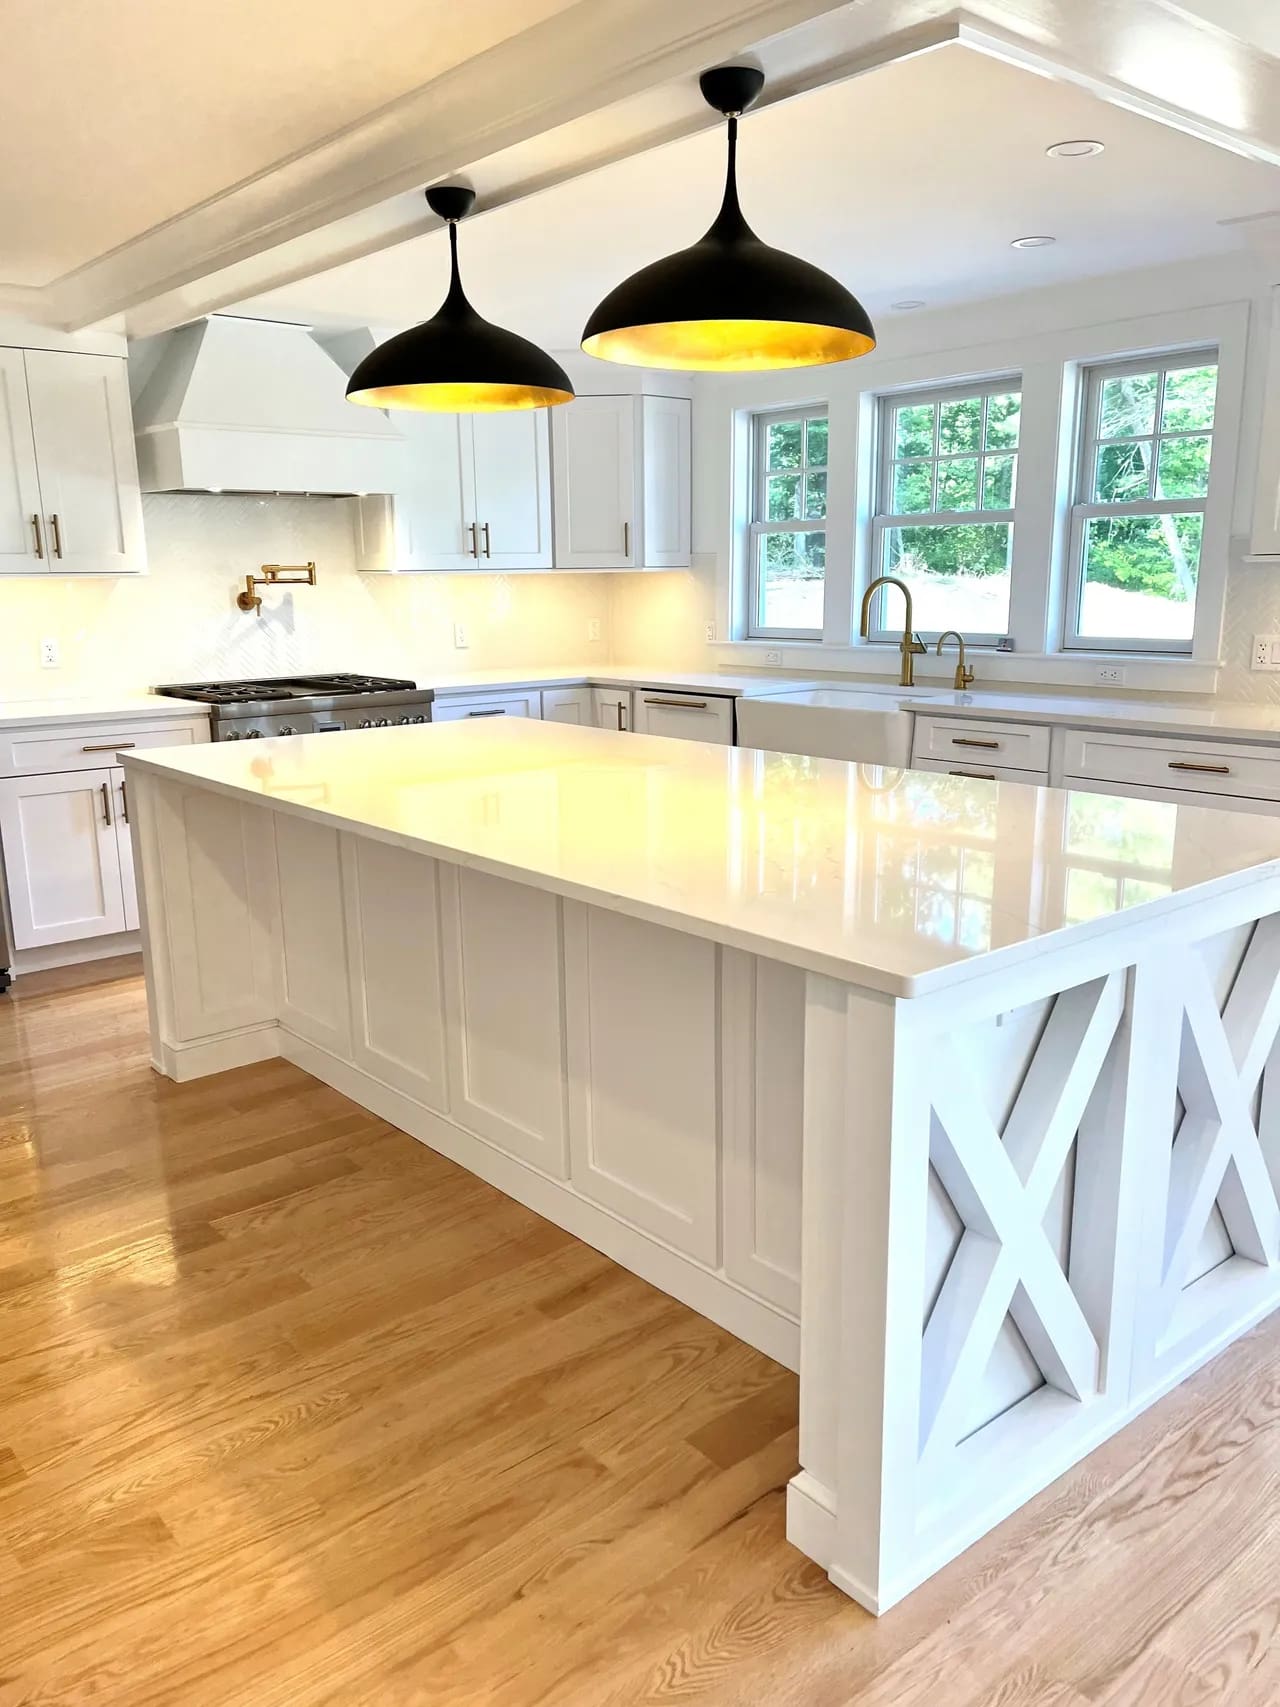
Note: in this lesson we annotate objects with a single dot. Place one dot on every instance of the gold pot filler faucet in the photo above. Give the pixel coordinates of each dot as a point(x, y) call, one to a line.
point(275, 575)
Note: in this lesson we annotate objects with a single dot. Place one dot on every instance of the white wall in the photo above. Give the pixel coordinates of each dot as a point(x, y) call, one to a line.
point(680, 606)
point(180, 622)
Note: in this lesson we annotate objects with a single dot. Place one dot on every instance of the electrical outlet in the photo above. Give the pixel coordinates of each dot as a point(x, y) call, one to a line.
point(773, 657)
point(460, 638)
point(1266, 652)
point(49, 656)
point(1109, 675)
point(593, 628)
point(710, 632)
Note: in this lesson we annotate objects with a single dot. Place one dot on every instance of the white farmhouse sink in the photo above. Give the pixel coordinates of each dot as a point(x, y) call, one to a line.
point(864, 723)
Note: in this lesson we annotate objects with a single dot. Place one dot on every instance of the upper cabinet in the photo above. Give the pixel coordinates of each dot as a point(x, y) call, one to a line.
point(477, 495)
point(69, 500)
point(1265, 539)
point(623, 484)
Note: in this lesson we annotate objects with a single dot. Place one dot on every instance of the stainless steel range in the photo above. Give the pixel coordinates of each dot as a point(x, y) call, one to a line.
point(305, 705)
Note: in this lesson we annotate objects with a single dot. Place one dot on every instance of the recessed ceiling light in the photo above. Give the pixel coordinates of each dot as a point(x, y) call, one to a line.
point(910, 303)
point(1077, 150)
point(1032, 242)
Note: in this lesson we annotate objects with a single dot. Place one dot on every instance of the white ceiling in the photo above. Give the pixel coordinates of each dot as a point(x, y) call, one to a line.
point(122, 115)
point(908, 182)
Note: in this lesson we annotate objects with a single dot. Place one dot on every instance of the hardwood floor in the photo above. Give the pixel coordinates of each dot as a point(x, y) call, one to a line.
point(292, 1411)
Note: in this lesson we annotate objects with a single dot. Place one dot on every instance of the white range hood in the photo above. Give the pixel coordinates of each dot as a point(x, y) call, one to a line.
point(234, 405)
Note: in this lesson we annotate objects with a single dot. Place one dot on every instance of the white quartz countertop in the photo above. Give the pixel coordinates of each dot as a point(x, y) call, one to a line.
point(100, 708)
point(902, 881)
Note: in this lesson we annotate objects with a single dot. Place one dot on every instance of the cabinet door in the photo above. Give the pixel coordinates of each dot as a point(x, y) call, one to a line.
point(21, 535)
point(84, 451)
point(513, 489)
point(436, 509)
point(668, 482)
point(689, 717)
point(595, 484)
point(62, 857)
point(567, 705)
point(128, 879)
point(612, 707)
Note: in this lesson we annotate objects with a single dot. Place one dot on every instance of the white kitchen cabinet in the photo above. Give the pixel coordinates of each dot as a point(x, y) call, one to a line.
point(476, 495)
point(1265, 537)
point(976, 768)
point(70, 502)
point(623, 483)
point(567, 705)
point(61, 837)
point(1207, 770)
point(687, 716)
point(612, 707)
point(455, 708)
point(983, 744)
point(21, 523)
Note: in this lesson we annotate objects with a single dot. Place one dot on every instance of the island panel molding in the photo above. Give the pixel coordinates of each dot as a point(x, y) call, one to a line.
point(1010, 1211)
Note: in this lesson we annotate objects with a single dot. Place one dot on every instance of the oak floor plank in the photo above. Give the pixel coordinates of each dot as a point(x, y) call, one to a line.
point(295, 1412)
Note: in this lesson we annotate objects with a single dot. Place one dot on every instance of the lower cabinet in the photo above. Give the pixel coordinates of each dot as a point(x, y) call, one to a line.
point(990, 773)
point(612, 707)
point(567, 705)
point(67, 855)
point(687, 716)
point(450, 710)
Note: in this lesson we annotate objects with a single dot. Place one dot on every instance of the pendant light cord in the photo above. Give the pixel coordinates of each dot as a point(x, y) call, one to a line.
point(729, 221)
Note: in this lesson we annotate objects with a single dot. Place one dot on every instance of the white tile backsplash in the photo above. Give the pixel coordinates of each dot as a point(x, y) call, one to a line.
point(179, 622)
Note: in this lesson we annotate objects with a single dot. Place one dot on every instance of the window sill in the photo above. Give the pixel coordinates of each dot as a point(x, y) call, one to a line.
point(1141, 671)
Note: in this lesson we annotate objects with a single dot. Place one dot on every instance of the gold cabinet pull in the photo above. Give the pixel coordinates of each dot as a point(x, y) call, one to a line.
point(56, 525)
point(35, 523)
point(109, 747)
point(1190, 765)
point(626, 539)
point(106, 803)
point(124, 799)
point(499, 712)
point(680, 704)
point(621, 710)
point(488, 549)
point(983, 776)
point(474, 529)
point(973, 741)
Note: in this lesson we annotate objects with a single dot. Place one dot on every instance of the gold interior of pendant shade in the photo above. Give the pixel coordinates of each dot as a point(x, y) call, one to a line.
point(729, 346)
point(458, 397)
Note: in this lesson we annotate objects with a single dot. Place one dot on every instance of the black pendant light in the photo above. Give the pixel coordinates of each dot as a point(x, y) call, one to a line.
point(729, 303)
point(457, 361)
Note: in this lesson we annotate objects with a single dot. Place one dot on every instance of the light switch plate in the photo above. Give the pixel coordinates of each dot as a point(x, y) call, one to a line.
point(460, 639)
point(1266, 652)
point(593, 628)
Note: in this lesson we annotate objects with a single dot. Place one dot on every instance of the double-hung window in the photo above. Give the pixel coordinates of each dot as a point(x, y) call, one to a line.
point(1141, 483)
point(947, 476)
point(788, 534)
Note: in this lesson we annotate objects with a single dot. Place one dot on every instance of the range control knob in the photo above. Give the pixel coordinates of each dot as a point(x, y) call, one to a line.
point(286, 729)
point(366, 723)
point(253, 734)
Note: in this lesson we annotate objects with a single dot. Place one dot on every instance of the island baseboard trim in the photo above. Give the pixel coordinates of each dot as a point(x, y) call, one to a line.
point(750, 1319)
point(185, 1061)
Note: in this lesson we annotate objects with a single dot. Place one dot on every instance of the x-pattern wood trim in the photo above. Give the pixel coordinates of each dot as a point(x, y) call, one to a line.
point(1217, 1155)
point(1001, 1184)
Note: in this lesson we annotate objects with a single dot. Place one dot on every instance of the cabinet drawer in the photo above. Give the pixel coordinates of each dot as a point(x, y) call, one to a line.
point(1200, 767)
point(687, 716)
point(89, 746)
point(1016, 746)
point(486, 705)
point(976, 768)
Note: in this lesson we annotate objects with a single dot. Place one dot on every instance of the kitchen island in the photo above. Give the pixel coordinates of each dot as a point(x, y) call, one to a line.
point(958, 1096)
